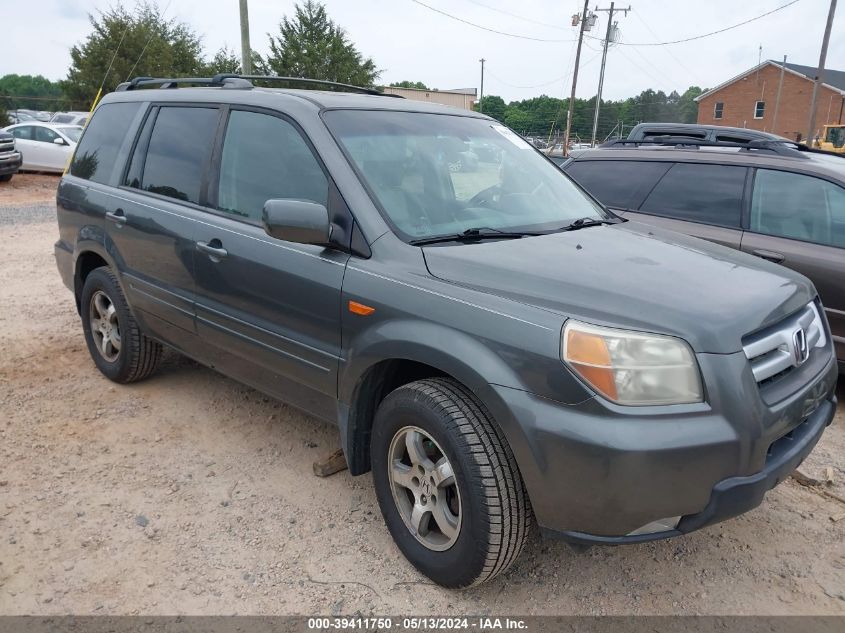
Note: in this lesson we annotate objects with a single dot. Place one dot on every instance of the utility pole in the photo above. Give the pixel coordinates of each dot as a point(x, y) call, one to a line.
point(246, 53)
point(610, 27)
point(585, 25)
point(811, 127)
point(481, 98)
point(777, 99)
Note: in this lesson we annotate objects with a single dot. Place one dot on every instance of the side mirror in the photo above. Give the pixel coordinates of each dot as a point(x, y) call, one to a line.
point(59, 141)
point(296, 221)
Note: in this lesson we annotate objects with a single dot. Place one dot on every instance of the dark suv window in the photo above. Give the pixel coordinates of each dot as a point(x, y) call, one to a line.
point(265, 157)
point(97, 150)
point(178, 152)
point(798, 207)
point(710, 194)
point(620, 184)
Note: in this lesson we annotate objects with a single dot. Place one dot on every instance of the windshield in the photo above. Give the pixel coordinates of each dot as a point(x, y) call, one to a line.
point(73, 132)
point(436, 175)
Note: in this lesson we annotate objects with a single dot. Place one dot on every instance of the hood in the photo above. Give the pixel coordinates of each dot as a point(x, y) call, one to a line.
point(635, 276)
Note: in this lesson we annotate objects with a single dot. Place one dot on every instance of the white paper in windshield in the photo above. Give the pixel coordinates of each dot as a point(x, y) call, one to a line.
point(512, 137)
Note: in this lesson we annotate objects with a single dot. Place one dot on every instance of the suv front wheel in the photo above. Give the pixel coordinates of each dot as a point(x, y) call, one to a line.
point(117, 346)
point(447, 483)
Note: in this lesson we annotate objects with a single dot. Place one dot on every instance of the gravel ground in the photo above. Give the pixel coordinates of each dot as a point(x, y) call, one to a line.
point(189, 493)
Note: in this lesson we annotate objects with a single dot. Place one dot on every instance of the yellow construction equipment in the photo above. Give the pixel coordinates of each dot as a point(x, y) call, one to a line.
point(833, 139)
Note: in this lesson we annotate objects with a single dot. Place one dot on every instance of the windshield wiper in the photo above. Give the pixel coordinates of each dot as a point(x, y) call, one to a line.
point(474, 235)
point(581, 223)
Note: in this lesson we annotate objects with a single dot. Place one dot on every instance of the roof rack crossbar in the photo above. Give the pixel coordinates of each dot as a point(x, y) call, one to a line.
point(232, 80)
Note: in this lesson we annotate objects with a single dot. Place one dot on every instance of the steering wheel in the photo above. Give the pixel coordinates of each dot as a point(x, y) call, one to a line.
point(486, 198)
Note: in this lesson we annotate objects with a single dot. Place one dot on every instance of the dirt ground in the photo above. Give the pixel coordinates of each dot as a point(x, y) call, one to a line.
point(29, 188)
point(191, 494)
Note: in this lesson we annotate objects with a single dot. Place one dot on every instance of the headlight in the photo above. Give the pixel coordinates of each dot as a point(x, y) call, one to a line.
point(632, 368)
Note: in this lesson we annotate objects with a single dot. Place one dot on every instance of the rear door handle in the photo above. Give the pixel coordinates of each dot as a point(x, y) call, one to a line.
point(118, 217)
point(214, 249)
point(770, 255)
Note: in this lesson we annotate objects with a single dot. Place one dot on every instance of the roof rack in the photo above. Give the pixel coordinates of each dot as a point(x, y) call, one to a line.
point(783, 148)
point(243, 82)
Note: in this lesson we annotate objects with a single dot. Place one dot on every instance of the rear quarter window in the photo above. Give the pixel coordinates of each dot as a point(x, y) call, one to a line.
point(97, 150)
point(619, 184)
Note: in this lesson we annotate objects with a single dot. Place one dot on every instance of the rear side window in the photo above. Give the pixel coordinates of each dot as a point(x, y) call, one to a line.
point(798, 207)
point(24, 133)
point(97, 150)
point(709, 194)
point(616, 183)
point(264, 157)
point(177, 152)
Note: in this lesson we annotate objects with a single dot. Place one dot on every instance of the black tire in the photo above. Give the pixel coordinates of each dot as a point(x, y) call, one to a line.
point(495, 513)
point(6, 177)
point(138, 355)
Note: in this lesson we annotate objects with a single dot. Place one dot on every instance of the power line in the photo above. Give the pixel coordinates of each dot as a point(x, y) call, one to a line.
point(547, 83)
point(698, 37)
point(540, 39)
point(518, 17)
point(484, 28)
point(668, 50)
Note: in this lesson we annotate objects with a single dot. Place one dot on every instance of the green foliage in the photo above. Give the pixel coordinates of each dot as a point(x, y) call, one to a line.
point(30, 91)
point(409, 84)
point(152, 46)
point(4, 118)
point(543, 116)
point(493, 106)
point(224, 61)
point(312, 45)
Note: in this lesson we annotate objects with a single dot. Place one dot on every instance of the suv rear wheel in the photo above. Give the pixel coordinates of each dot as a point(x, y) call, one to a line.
point(447, 483)
point(116, 344)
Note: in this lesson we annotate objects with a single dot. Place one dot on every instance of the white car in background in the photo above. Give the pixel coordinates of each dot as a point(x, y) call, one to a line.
point(70, 118)
point(45, 146)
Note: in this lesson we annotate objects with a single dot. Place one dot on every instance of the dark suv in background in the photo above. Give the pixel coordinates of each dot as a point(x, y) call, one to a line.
point(494, 345)
point(777, 201)
point(711, 133)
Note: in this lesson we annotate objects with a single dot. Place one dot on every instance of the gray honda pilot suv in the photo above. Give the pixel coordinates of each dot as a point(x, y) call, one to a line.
point(494, 345)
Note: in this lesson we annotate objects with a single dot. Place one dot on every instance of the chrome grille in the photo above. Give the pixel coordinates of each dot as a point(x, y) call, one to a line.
point(7, 146)
point(786, 345)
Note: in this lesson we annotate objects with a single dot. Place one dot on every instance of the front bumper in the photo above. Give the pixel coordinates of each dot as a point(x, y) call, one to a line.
point(10, 163)
point(735, 495)
point(597, 472)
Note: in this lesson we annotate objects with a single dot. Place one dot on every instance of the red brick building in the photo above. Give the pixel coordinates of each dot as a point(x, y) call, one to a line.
point(751, 100)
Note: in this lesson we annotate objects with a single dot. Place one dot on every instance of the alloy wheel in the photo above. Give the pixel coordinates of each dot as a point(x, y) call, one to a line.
point(105, 328)
point(424, 488)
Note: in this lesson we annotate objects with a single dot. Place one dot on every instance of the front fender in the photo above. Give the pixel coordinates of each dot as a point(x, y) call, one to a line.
point(450, 351)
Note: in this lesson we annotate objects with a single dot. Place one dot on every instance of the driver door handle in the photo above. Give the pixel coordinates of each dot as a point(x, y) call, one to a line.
point(214, 249)
point(117, 216)
point(772, 256)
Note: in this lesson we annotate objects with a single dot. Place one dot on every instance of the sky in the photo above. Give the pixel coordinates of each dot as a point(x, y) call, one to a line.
point(410, 41)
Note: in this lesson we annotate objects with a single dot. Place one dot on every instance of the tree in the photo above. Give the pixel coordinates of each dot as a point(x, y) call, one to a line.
point(30, 91)
point(227, 61)
point(494, 106)
point(150, 46)
point(311, 45)
point(224, 61)
point(409, 84)
point(687, 106)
